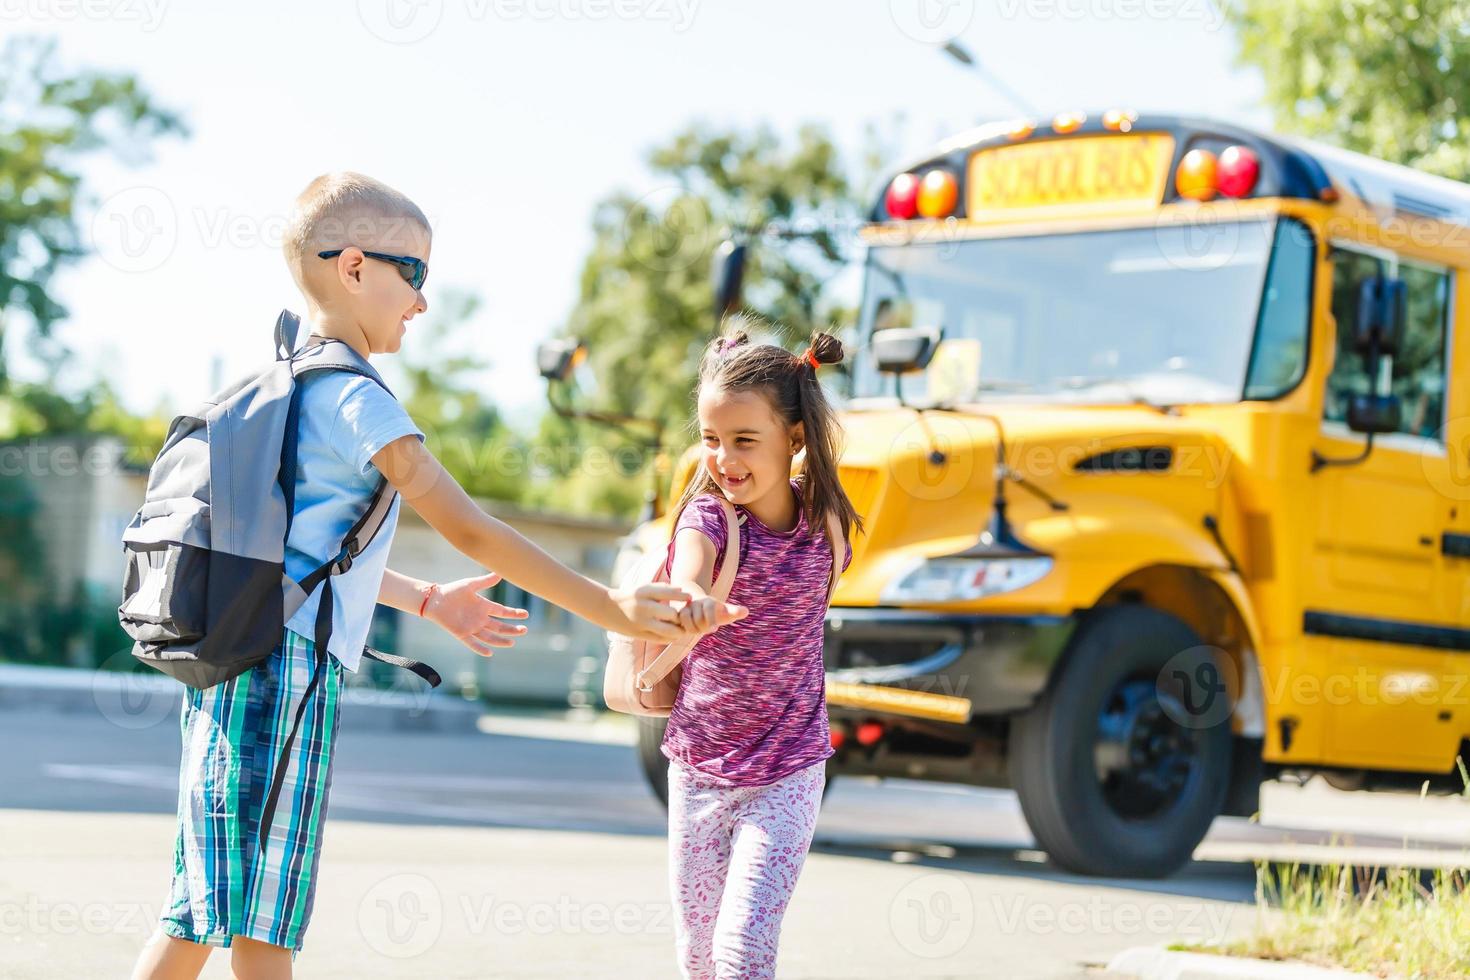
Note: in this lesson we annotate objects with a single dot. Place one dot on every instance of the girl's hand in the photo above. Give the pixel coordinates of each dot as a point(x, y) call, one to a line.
point(700, 616)
point(471, 618)
point(651, 617)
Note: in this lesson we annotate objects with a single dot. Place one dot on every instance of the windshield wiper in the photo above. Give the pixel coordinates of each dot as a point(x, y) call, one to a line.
point(1083, 382)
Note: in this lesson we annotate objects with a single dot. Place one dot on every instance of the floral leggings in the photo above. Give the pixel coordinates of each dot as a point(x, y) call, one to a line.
point(734, 856)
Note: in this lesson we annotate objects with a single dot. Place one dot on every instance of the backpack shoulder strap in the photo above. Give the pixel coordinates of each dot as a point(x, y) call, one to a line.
point(288, 325)
point(836, 539)
point(334, 355)
point(357, 538)
point(330, 355)
point(675, 652)
point(721, 586)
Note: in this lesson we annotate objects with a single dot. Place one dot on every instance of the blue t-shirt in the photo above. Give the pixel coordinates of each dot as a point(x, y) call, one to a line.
point(345, 420)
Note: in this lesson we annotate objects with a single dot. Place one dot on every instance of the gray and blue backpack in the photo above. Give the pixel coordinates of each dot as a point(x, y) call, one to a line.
point(206, 595)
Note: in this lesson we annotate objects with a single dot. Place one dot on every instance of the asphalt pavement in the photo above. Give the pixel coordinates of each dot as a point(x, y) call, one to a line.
point(530, 847)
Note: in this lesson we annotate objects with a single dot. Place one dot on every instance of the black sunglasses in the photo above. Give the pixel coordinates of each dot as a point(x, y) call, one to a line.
point(414, 271)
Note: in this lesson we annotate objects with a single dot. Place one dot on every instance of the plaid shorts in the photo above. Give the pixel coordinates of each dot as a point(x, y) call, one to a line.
point(223, 884)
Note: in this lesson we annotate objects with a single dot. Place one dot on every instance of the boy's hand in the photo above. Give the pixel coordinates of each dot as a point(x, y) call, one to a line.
point(471, 618)
point(651, 617)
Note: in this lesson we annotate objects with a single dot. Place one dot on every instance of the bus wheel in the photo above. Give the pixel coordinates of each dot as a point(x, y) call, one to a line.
point(1119, 769)
point(655, 765)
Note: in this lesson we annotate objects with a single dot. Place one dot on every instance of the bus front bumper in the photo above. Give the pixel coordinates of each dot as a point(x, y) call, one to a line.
point(947, 667)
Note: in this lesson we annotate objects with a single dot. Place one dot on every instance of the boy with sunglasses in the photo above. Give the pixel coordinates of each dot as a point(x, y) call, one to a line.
point(359, 251)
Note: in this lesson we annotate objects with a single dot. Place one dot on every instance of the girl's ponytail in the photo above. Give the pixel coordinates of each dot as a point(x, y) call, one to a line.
point(822, 491)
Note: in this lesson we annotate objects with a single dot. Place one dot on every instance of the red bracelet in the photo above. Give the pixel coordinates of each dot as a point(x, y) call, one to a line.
point(429, 591)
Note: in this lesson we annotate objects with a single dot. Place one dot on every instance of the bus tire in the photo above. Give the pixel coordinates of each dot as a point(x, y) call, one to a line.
point(651, 758)
point(1110, 782)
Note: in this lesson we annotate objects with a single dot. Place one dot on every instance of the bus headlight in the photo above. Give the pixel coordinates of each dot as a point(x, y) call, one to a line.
point(950, 579)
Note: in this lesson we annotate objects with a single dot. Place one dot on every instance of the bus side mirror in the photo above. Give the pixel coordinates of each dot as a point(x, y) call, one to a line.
point(900, 350)
point(557, 358)
point(1382, 309)
point(1377, 333)
point(727, 274)
point(1373, 413)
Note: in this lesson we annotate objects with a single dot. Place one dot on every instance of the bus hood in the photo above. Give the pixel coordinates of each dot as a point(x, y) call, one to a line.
point(1128, 481)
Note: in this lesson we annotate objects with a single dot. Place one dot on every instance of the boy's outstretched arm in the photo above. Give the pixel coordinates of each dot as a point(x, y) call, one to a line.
point(439, 499)
point(457, 607)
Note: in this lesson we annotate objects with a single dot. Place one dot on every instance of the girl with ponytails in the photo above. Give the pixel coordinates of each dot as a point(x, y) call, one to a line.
point(747, 738)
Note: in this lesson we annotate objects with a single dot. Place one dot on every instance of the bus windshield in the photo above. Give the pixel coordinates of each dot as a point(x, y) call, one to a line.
point(1165, 314)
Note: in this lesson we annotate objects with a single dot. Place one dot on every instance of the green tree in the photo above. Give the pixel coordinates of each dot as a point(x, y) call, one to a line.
point(1384, 78)
point(463, 430)
point(645, 303)
point(50, 120)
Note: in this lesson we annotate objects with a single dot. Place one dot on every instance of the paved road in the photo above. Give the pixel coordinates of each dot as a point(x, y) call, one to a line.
point(535, 850)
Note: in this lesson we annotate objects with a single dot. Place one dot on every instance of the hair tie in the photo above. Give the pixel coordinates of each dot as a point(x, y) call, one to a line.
point(811, 358)
point(723, 344)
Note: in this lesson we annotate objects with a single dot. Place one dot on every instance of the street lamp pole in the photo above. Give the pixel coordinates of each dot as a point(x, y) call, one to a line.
point(958, 53)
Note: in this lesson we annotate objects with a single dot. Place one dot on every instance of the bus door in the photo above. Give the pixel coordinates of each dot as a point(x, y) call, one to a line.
point(1380, 601)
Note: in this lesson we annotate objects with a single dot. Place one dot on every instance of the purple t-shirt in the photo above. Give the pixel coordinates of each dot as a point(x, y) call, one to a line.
point(752, 705)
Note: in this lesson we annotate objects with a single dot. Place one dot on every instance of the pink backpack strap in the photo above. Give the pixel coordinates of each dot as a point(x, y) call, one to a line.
point(837, 540)
point(675, 653)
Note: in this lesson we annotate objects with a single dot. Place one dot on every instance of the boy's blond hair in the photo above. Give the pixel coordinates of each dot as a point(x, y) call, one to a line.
point(341, 209)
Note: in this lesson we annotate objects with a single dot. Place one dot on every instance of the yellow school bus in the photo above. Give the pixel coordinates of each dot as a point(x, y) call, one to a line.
point(1158, 427)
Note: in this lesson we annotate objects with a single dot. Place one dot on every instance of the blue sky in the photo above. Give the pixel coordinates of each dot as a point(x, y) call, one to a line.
point(507, 120)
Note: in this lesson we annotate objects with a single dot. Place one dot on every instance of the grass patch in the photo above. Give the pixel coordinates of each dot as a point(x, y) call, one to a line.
point(1394, 922)
point(1390, 923)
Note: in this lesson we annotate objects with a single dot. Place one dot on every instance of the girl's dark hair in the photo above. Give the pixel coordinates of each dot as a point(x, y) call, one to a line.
point(789, 383)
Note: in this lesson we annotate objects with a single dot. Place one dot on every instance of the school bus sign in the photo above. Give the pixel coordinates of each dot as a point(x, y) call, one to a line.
point(1114, 172)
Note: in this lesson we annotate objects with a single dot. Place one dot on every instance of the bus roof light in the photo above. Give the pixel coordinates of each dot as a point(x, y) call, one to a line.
point(1119, 120)
point(1237, 171)
point(1195, 178)
point(938, 194)
point(902, 197)
point(1067, 122)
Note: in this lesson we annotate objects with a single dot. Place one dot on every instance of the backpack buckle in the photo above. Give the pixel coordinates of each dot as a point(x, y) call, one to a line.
point(342, 563)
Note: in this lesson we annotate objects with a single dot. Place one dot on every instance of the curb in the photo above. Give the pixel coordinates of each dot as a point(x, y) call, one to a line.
point(1153, 963)
point(135, 701)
